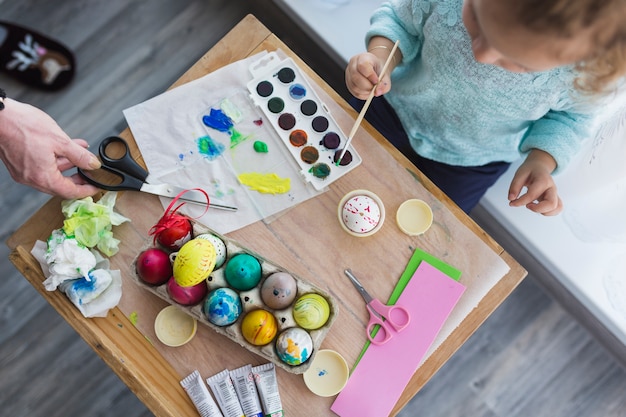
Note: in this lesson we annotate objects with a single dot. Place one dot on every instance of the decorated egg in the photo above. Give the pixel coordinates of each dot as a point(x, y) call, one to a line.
point(194, 262)
point(222, 306)
point(279, 290)
point(220, 248)
point(294, 346)
point(361, 213)
point(242, 272)
point(259, 327)
point(311, 311)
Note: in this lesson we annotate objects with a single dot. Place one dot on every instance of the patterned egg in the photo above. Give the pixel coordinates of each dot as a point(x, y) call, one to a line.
point(361, 214)
point(294, 346)
point(311, 311)
point(222, 307)
point(259, 327)
point(242, 272)
point(278, 290)
point(220, 248)
point(194, 262)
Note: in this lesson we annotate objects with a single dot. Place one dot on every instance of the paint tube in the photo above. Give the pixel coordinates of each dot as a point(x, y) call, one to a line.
point(222, 387)
point(199, 394)
point(266, 383)
point(243, 380)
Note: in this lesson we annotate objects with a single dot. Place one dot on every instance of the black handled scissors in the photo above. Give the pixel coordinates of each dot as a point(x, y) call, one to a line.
point(126, 174)
point(391, 319)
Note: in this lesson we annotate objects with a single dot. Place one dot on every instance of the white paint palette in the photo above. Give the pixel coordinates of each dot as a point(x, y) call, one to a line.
point(301, 120)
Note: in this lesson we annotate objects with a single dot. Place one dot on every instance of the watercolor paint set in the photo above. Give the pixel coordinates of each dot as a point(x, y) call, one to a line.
point(279, 315)
point(301, 120)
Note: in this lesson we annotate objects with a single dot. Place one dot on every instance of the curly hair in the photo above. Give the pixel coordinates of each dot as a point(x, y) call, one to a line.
point(605, 20)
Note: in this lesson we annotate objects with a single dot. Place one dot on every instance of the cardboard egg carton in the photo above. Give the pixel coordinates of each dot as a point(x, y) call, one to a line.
point(251, 300)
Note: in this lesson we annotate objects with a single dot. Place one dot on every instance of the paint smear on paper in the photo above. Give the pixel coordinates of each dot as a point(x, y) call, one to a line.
point(218, 120)
point(237, 137)
point(231, 110)
point(218, 191)
point(208, 148)
point(265, 183)
point(260, 147)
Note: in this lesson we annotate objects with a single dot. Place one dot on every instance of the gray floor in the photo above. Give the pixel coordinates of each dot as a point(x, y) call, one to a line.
point(529, 359)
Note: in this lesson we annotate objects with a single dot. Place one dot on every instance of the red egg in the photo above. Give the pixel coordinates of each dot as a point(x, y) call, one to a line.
point(175, 236)
point(153, 266)
point(187, 296)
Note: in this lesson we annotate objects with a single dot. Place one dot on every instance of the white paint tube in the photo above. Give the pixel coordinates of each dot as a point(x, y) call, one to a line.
point(199, 394)
point(243, 379)
point(266, 383)
point(222, 387)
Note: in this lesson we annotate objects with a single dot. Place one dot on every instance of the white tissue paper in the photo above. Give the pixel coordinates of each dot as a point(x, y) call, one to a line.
point(81, 273)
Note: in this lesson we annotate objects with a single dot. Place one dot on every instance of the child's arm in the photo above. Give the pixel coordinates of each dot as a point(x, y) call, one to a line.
point(541, 194)
point(363, 69)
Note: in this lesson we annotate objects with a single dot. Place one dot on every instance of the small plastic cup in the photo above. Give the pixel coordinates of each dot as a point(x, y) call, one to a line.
point(174, 327)
point(328, 373)
point(414, 217)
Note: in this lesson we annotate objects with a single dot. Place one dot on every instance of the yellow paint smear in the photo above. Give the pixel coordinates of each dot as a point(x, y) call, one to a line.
point(265, 183)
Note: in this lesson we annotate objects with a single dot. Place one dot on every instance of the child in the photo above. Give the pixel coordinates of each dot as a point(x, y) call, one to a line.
point(477, 83)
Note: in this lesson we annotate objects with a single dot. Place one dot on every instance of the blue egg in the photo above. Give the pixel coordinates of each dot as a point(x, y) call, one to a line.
point(222, 307)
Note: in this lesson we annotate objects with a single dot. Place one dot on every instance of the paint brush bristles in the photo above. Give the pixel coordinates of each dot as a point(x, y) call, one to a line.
point(359, 119)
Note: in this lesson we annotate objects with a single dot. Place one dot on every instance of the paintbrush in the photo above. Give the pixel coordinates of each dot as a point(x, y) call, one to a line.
point(359, 119)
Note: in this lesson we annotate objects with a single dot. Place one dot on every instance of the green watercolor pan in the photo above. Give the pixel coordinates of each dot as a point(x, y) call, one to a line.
point(301, 120)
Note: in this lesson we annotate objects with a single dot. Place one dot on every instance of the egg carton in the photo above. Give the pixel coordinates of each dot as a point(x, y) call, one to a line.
point(251, 300)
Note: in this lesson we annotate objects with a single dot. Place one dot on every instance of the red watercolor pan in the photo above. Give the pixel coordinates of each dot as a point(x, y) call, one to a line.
point(302, 121)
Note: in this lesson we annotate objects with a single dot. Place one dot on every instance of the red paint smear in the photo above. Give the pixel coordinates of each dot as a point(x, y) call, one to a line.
point(258, 122)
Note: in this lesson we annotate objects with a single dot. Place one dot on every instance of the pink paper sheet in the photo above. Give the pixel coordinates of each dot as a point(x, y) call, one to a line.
point(384, 371)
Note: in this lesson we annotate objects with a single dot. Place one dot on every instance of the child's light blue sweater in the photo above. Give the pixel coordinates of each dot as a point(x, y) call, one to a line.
point(461, 112)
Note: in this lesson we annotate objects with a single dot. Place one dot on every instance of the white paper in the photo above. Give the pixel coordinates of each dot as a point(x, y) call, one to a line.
point(167, 128)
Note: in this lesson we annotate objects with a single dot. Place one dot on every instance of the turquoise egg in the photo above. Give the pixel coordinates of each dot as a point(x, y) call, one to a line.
point(243, 272)
point(294, 346)
point(222, 306)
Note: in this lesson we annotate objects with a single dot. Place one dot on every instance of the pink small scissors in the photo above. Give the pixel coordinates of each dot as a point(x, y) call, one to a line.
point(391, 319)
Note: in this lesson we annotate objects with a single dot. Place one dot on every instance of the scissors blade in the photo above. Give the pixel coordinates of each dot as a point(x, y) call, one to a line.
point(192, 196)
point(366, 296)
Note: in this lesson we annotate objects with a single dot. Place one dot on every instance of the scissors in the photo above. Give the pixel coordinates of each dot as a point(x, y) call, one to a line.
point(391, 319)
point(126, 174)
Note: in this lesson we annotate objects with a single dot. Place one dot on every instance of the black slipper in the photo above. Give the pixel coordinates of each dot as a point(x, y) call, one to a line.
point(35, 59)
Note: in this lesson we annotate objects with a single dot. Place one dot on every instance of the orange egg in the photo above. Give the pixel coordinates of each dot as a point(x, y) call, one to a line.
point(259, 327)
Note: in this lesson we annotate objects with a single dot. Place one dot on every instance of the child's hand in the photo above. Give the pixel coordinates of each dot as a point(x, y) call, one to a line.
point(535, 174)
point(362, 75)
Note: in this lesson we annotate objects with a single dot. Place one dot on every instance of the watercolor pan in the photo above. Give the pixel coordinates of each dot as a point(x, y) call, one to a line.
point(301, 120)
point(251, 300)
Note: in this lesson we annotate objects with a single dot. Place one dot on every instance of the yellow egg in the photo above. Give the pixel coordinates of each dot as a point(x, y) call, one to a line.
point(311, 311)
point(259, 327)
point(194, 262)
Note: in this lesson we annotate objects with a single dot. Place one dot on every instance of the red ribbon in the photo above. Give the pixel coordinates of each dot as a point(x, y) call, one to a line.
point(171, 218)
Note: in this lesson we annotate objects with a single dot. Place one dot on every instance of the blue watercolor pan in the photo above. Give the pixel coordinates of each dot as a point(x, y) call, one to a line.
point(301, 120)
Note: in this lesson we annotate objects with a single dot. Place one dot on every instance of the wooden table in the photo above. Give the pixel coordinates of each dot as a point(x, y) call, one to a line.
point(317, 251)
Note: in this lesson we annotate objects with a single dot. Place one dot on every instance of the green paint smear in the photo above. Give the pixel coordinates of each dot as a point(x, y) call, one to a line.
point(134, 318)
point(260, 147)
point(237, 137)
point(208, 148)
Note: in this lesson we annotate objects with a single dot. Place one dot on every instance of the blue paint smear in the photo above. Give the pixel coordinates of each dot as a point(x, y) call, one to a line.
point(209, 148)
point(218, 120)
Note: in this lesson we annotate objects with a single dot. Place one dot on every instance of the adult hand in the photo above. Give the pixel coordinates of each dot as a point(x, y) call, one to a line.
point(541, 194)
point(36, 151)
